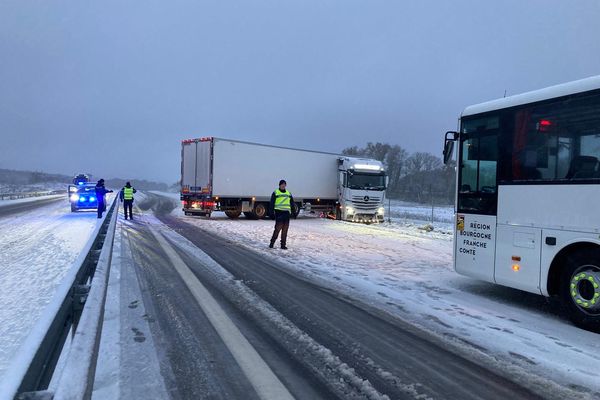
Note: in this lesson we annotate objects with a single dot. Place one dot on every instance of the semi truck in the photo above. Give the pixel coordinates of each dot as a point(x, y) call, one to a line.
point(238, 178)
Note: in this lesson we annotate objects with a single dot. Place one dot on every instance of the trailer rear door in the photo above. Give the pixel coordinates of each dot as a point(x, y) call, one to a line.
point(196, 166)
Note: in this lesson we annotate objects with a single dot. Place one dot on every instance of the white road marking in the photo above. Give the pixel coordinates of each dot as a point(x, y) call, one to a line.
point(260, 376)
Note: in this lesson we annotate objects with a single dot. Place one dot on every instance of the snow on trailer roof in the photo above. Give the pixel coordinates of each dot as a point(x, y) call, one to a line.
point(551, 92)
point(209, 138)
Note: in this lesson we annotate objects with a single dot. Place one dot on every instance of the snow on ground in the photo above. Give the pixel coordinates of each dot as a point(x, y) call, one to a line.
point(408, 272)
point(36, 251)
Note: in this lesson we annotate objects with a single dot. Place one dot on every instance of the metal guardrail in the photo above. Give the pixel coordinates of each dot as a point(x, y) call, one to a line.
point(80, 311)
point(13, 196)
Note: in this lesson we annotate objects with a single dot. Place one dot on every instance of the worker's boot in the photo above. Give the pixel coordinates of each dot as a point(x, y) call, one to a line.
point(271, 245)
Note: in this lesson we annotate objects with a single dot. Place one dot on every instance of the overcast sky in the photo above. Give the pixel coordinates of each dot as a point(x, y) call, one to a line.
point(112, 87)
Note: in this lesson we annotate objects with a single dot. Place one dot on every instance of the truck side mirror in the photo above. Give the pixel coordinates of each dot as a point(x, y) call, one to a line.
point(387, 181)
point(449, 140)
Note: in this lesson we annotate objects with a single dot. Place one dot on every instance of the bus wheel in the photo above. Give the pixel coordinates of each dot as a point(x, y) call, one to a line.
point(580, 289)
point(260, 210)
point(233, 214)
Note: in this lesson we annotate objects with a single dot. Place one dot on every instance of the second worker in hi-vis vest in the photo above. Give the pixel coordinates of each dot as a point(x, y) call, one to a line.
point(126, 196)
point(282, 207)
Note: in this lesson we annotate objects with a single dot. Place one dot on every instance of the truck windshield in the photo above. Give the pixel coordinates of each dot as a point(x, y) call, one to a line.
point(366, 181)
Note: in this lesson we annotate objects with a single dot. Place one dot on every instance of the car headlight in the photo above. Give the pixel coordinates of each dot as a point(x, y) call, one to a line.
point(74, 197)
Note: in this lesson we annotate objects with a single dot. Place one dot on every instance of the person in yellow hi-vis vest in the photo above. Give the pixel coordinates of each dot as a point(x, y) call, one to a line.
point(126, 196)
point(282, 207)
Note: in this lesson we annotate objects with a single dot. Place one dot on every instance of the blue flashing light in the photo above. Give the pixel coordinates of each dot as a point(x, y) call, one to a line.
point(80, 183)
point(82, 198)
point(92, 198)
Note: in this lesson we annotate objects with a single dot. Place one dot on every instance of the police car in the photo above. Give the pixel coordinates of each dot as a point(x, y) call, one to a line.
point(82, 194)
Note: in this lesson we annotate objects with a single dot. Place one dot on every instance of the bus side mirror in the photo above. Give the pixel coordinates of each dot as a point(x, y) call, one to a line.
point(449, 140)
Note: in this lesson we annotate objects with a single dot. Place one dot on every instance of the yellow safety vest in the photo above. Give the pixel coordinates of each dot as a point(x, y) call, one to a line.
point(128, 193)
point(282, 201)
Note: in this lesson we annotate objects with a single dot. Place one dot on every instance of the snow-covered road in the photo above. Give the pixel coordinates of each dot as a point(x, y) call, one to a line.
point(408, 272)
point(37, 248)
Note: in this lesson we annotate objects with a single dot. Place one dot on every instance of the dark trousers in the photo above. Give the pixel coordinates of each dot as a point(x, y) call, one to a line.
point(282, 223)
point(128, 206)
point(101, 208)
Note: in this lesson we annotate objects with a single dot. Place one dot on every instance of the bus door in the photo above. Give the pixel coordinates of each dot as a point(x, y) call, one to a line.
point(475, 238)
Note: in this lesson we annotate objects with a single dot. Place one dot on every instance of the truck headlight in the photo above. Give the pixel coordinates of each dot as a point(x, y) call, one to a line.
point(74, 197)
point(380, 210)
point(349, 210)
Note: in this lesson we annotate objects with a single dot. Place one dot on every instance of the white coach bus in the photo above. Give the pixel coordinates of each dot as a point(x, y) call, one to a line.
point(528, 195)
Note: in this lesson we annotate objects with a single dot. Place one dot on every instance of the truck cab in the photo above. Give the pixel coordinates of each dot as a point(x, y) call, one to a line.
point(361, 190)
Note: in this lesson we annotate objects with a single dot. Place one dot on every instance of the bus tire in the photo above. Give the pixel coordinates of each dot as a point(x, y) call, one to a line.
point(260, 210)
point(233, 214)
point(578, 281)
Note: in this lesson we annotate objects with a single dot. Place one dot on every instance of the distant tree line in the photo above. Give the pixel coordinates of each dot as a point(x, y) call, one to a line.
point(14, 177)
point(420, 177)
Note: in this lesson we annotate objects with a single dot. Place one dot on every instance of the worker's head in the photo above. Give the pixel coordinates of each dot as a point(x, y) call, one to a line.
point(282, 184)
point(101, 182)
point(128, 184)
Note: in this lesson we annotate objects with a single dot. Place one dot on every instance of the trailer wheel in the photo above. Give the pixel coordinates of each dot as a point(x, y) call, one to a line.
point(580, 289)
point(233, 214)
point(260, 210)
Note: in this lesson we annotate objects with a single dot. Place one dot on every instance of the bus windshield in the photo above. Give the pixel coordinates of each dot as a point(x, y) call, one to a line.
point(478, 162)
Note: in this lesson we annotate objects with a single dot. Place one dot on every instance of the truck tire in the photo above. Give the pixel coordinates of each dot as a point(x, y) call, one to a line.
point(580, 288)
point(260, 210)
point(250, 215)
point(233, 214)
point(296, 210)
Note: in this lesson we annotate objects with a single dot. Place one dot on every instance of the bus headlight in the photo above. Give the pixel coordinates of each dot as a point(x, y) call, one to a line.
point(74, 197)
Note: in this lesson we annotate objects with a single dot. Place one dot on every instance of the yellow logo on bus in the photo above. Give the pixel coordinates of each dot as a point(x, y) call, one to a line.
point(460, 223)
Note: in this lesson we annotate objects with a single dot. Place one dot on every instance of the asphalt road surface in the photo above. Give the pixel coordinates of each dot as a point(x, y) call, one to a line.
point(398, 360)
point(29, 205)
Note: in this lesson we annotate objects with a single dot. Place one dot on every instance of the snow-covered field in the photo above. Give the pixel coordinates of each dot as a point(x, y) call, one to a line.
point(407, 211)
point(407, 271)
point(36, 250)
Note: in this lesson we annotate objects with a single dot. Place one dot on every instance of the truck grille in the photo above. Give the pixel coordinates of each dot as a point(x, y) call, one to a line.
point(366, 203)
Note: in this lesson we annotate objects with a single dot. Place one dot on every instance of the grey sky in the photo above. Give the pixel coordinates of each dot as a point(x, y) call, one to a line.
point(112, 87)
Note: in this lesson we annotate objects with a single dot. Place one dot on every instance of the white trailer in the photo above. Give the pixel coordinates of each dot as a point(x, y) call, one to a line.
point(238, 177)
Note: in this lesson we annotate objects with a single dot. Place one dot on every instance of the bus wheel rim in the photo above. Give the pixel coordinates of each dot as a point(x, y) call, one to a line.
point(584, 288)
